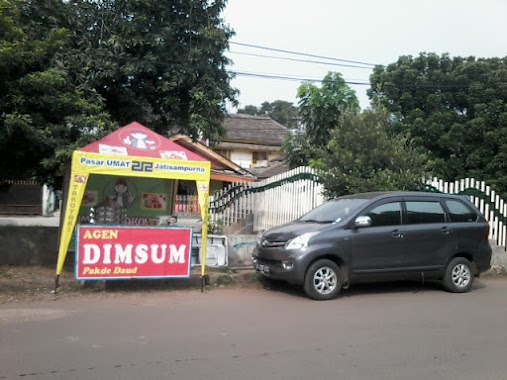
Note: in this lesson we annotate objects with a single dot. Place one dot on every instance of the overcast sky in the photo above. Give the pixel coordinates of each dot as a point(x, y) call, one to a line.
point(370, 31)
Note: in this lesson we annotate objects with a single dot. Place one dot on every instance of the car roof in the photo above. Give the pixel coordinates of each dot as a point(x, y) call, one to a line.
point(387, 194)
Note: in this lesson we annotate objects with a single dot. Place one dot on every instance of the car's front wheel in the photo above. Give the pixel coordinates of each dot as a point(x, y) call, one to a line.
point(458, 277)
point(323, 280)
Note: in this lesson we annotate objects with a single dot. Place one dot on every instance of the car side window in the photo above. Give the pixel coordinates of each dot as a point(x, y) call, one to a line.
point(425, 212)
point(459, 212)
point(388, 214)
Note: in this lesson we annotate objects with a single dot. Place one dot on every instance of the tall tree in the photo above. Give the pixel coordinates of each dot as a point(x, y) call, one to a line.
point(321, 109)
point(72, 70)
point(42, 113)
point(159, 63)
point(285, 113)
point(362, 156)
point(454, 107)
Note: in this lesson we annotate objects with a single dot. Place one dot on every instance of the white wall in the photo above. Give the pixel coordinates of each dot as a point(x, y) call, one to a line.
point(242, 158)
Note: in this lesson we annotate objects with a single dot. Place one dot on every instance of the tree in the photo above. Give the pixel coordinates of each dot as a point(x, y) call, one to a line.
point(285, 113)
point(297, 150)
point(42, 113)
point(72, 71)
point(320, 110)
point(280, 110)
point(159, 63)
point(249, 110)
point(361, 156)
point(456, 108)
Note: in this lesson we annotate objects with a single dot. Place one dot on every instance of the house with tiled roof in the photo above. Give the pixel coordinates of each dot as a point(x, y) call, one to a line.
point(252, 141)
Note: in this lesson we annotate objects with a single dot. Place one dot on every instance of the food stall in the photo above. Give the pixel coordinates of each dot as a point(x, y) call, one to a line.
point(120, 194)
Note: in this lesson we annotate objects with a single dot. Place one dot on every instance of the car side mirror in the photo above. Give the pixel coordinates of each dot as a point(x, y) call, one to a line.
point(362, 221)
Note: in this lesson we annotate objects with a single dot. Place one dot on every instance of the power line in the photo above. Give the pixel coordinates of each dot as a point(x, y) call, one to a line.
point(301, 54)
point(288, 78)
point(353, 82)
point(300, 60)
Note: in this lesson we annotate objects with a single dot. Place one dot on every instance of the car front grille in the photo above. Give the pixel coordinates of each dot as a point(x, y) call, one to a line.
point(265, 243)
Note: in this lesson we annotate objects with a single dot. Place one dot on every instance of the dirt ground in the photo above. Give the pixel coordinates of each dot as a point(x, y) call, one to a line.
point(30, 284)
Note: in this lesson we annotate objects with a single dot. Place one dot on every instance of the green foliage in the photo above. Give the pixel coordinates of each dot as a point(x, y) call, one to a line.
point(215, 227)
point(456, 108)
point(159, 63)
point(361, 156)
point(296, 149)
point(321, 108)
point(280, 110)
point(42, 113)
point(72, 71)
point(250, 110)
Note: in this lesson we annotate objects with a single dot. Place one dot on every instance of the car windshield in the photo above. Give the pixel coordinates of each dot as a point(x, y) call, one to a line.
point(333, 211)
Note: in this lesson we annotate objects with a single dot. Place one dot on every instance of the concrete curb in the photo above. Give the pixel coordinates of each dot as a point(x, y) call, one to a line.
point(496, 270)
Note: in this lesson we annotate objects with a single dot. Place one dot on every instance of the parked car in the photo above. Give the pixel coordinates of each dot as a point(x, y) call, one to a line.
point(378, 236)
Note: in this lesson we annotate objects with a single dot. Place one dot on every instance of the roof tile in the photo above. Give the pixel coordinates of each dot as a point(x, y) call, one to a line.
point(254, 129)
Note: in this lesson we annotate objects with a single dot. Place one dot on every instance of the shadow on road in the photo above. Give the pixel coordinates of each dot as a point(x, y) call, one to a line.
point(367, 288)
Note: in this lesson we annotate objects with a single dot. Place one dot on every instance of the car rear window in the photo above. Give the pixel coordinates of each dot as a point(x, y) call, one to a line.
point(425, 212)
point(460, 212)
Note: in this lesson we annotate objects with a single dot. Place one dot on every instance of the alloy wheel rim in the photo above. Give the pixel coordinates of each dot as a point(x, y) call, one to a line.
point(461, 275)
point(324, 280)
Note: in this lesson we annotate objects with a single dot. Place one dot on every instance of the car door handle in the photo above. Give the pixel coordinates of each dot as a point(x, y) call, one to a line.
point(397, 234)
point(445, 230)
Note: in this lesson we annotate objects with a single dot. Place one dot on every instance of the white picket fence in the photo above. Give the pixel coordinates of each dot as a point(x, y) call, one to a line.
point(295, 196)
point(276, 200)
point(287, 196)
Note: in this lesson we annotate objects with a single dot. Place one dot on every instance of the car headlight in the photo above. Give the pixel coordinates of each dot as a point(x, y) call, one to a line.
point(301, 241)
point(259, 239)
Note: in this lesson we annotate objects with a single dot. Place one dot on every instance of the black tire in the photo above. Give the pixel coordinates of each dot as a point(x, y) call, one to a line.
point(323, 280)
point(458, 276)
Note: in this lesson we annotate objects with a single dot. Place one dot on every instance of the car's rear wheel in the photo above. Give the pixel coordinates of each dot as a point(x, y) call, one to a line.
point(323, 280)
point(459, 276)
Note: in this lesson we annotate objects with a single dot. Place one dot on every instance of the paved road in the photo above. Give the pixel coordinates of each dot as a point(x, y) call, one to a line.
point(372, 332)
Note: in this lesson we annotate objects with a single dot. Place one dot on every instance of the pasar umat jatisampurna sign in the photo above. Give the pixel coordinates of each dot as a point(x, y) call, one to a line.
point(108, 252)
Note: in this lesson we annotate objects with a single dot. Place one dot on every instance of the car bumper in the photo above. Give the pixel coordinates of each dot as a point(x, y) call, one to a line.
point(278, 264)
point(275, 270)
point(483, 259)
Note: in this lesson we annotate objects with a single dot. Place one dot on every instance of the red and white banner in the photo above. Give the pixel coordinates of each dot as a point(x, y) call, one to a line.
point(132, 252)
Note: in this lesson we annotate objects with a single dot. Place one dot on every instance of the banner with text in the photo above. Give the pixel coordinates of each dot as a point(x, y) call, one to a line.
point(107, 252)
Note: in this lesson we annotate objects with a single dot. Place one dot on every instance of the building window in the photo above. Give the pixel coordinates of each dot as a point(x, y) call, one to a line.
point(258, 156)
point(224, 152)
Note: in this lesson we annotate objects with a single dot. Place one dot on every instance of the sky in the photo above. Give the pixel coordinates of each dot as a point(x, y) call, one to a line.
point(368, 31)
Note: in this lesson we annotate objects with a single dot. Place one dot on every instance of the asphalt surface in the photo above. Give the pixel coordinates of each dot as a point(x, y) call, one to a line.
point(393, 331)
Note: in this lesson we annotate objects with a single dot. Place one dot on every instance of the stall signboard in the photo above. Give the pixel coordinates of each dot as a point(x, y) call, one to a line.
point(124, 252)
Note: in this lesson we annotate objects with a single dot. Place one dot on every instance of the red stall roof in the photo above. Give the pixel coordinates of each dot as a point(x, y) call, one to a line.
point(135, 139)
